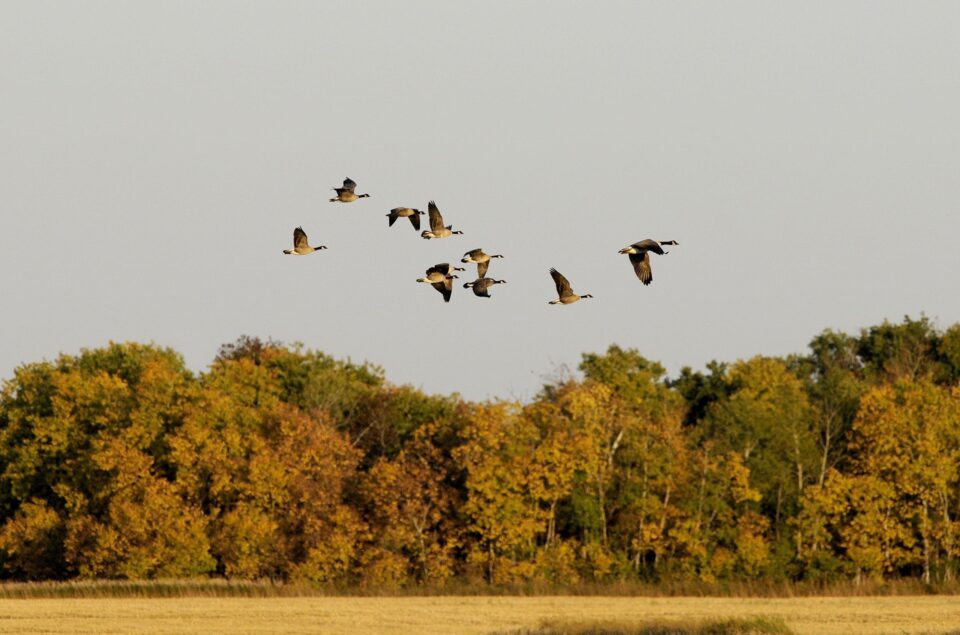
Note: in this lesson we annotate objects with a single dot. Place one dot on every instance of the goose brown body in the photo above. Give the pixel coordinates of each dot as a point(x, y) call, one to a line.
point(482, 259)
point(405, 212)
point(347, 194)
point(564, 291)
point(440, 278)
point(301, 246)
point(639, 254)
point(437, 228)
point(481, 286)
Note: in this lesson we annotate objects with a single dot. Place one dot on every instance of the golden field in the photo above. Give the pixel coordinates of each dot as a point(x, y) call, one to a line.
point(464, 615)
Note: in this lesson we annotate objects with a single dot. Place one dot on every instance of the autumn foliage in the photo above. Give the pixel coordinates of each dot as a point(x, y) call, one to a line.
point(282, 463)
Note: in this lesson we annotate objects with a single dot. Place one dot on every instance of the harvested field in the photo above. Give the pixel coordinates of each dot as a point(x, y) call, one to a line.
point(465, 615)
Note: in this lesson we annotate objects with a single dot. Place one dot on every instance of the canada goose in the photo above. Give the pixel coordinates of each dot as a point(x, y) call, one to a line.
point(346, 193)
point(482, 260)
point(442, 280)
point(405, 212)
point(639, 253)
point(300, 244)
point(480, 286)
point(437, 230)
point(567, 296)
point(445, 268)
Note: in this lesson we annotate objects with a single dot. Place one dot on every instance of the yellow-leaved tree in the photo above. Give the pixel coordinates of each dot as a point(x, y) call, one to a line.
point(84, 446)
point(410, 508)
point(893, 508)
point(271, 479)
point(503, 516)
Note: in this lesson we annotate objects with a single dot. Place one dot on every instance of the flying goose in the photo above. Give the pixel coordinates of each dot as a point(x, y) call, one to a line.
point(481, 285)
point(482, 260)
point(639, 253)
point(437, 229)
point(445, 268)
point(300, 245)
point(405, 212)
point(346, 193)
point(442, 280)
point(567, 296)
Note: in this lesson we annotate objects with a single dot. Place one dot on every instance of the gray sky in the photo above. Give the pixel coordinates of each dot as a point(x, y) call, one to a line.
point(155, 157)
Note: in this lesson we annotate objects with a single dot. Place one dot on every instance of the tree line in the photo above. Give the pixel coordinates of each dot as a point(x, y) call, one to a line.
point(283, 463)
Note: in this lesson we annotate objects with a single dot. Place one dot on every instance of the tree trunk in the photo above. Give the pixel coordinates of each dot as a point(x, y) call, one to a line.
point(925, 528)
point(703, 490)
point(776, 514)
point(419, 527)
point(947, 543)
point(825, 448)
point(552, 523)
point(663, 526)
point(799, 460)
point(642, 523)
point(489, 562)
point(603, 512)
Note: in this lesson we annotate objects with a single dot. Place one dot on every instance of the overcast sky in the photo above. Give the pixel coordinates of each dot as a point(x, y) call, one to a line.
point(155, 158)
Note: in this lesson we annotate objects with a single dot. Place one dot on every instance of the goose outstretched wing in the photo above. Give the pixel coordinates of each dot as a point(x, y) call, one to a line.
point(641, 266)
point(563, 285)
point(436, 220)
point(300, 238)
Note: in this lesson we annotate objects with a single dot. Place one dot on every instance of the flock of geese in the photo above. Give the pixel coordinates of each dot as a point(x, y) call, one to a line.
point(441, 275)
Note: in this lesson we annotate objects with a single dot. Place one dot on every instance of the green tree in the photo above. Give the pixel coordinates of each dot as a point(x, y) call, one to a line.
point(700, 390)
point(767, 420)
point(833, 377)
point(899, 351)
point(948, 352)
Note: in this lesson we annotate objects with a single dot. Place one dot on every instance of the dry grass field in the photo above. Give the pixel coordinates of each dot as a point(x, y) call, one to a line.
point(465, 615)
